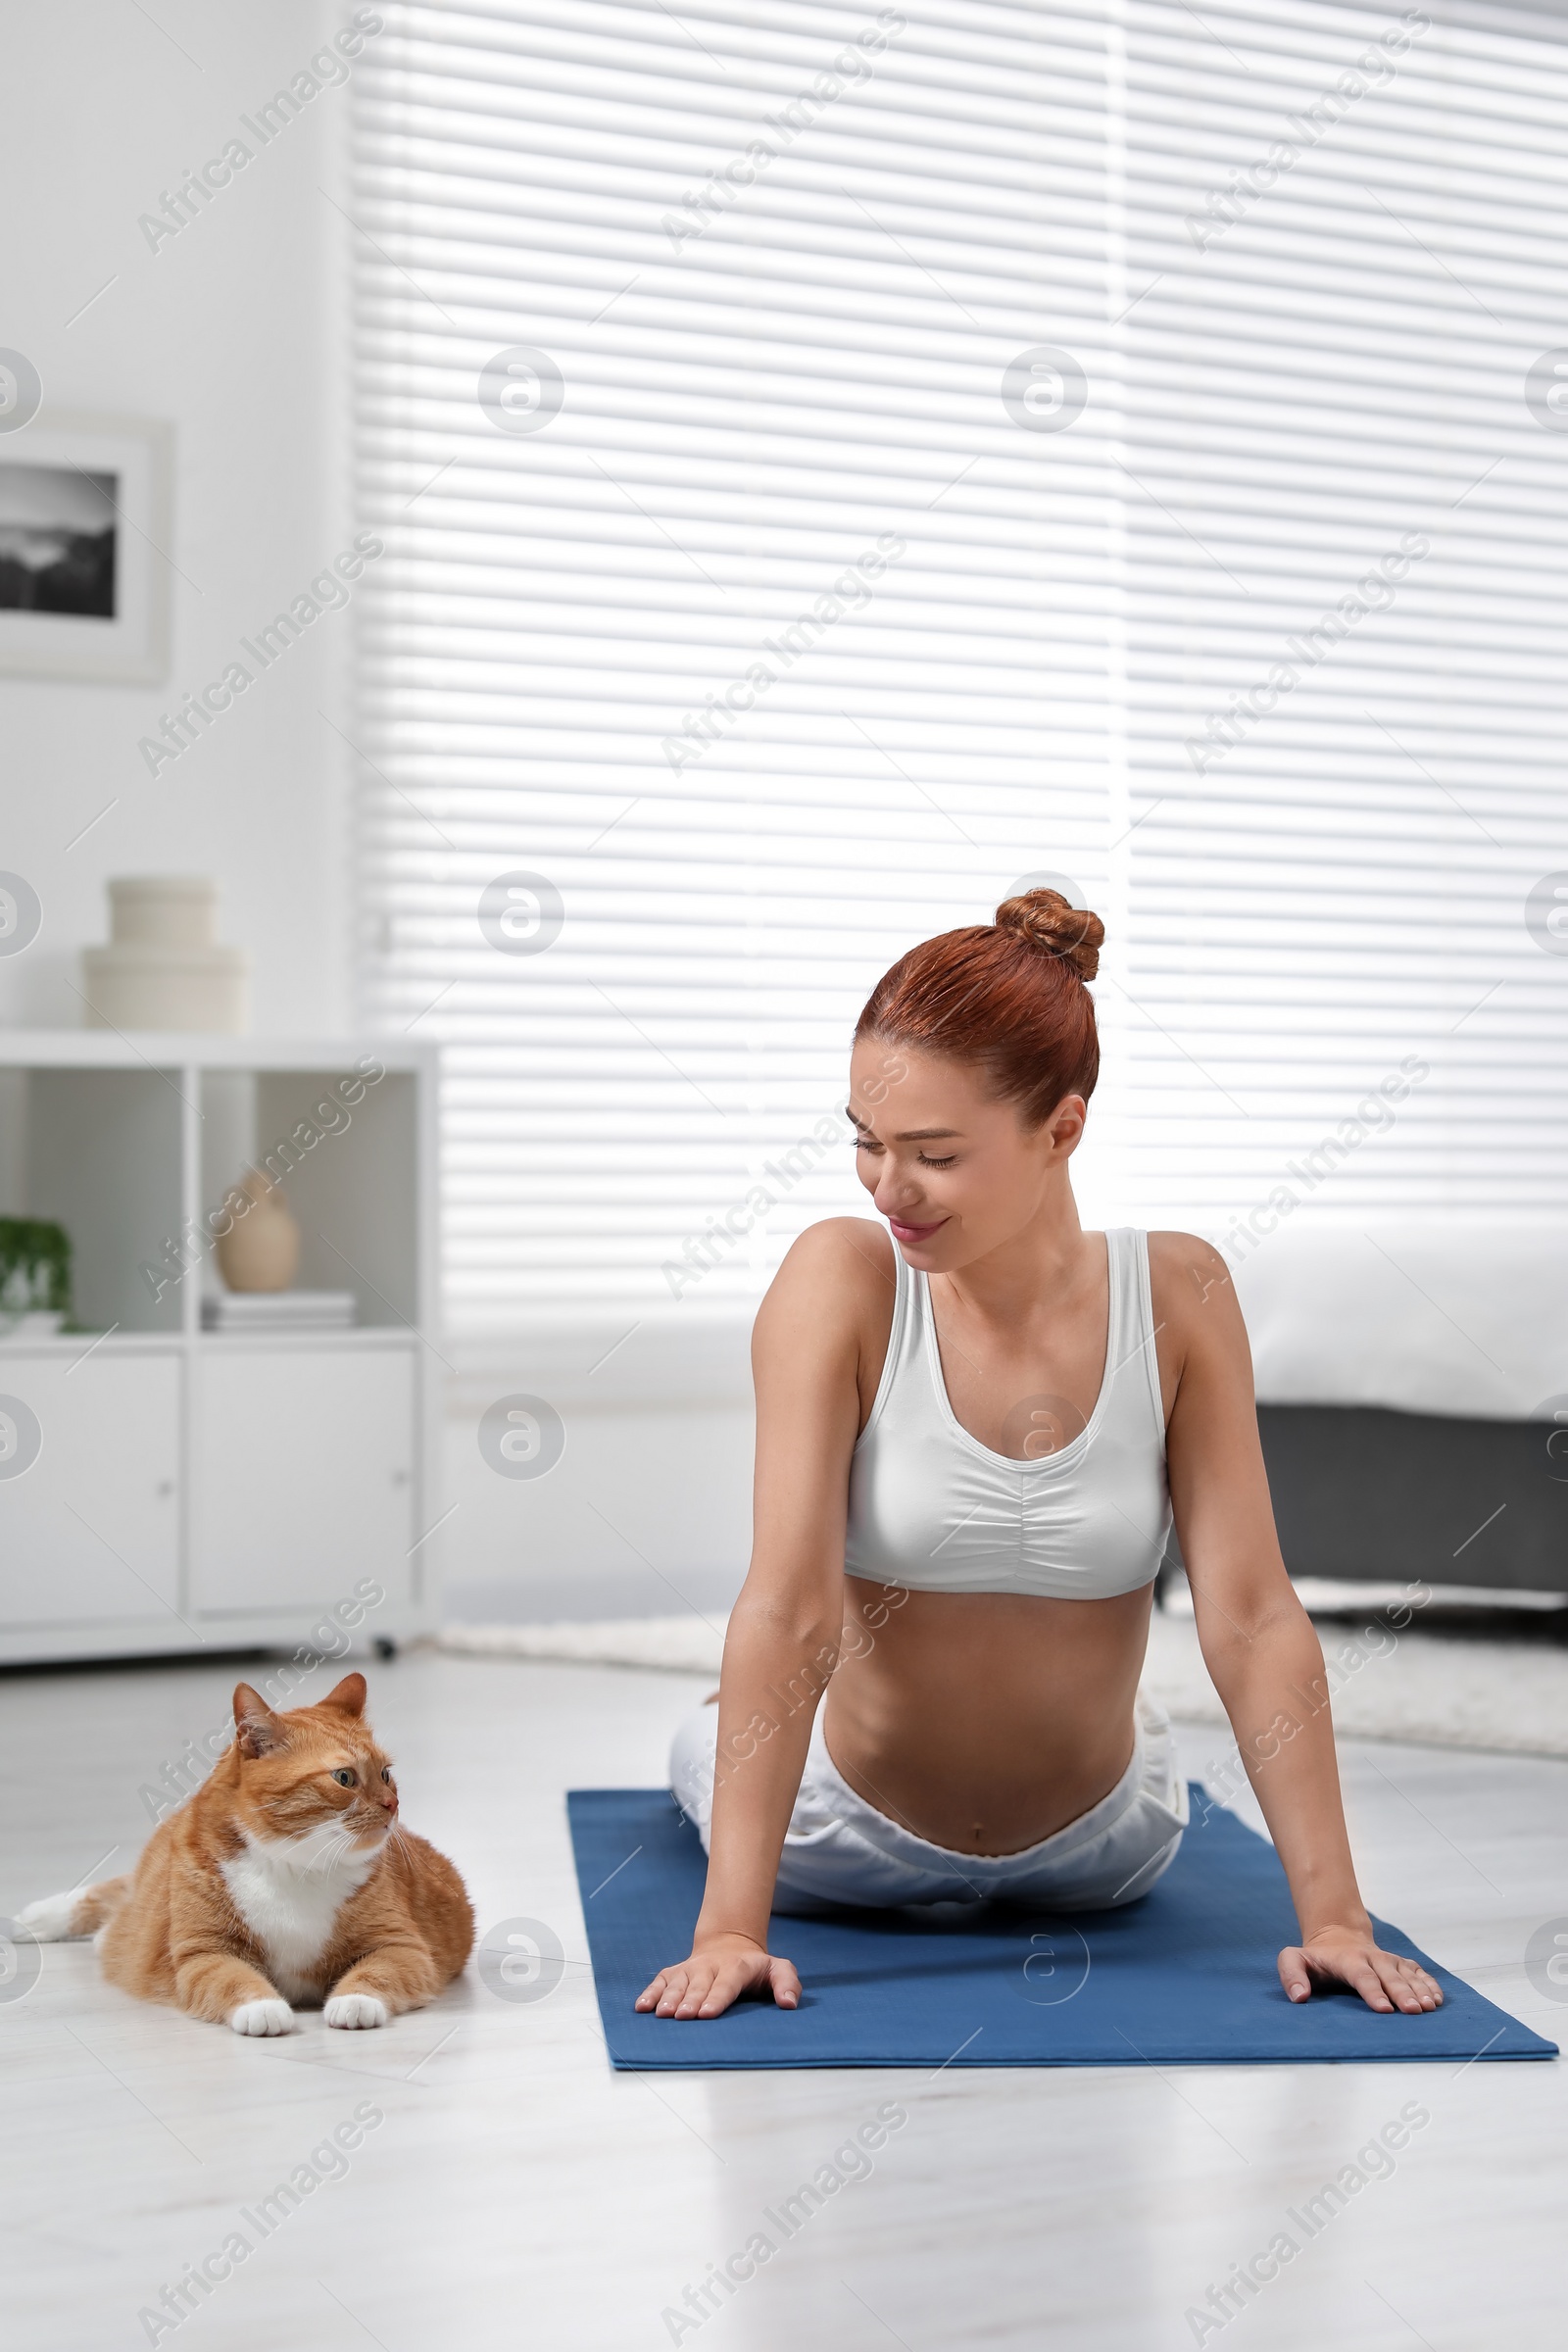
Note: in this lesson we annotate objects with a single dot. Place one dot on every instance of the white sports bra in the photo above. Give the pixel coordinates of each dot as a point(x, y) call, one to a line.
point(934, 1511)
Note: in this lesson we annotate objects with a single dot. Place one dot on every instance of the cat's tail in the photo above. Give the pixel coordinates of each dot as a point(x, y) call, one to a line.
point(80, 1912)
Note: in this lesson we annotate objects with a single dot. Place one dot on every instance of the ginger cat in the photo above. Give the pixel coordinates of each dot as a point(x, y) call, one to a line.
point(284, 1877)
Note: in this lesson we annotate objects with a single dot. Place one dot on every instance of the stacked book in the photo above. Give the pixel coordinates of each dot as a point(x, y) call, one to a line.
point(279, 1310)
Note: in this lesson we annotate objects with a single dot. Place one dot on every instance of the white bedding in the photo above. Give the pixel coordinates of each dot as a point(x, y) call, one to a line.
point(1462, 1318)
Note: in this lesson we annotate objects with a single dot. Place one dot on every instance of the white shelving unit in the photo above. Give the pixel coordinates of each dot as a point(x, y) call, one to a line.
point(199, 1490)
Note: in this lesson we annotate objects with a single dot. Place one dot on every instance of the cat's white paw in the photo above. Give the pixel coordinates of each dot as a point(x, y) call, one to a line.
point(356, 2009)
point(49, 1922)
point(262, 2017)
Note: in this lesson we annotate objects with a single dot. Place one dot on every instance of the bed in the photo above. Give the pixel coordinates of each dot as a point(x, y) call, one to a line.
point(1412, 1387)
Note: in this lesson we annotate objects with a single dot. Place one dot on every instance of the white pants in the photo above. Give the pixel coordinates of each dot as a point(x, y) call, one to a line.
point(839, 1849)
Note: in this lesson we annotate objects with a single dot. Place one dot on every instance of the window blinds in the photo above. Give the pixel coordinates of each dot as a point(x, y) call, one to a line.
point(747, 618)
point(1346, 562)
point(825, 479)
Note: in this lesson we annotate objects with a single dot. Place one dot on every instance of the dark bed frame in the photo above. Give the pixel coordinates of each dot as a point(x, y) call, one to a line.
point(1366, 1494)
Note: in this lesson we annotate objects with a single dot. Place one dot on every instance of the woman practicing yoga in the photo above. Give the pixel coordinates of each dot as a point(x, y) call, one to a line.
point(970, 1438)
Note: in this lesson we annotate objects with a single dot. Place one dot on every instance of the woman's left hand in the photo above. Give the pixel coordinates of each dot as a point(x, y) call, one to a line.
point(1351, 1956)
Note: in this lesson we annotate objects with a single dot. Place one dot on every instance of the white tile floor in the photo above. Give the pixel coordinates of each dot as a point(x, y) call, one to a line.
point(516, 2193)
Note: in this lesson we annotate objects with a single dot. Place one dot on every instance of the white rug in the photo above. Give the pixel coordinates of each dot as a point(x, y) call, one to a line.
point(676, 1644)
point(1445, 1692)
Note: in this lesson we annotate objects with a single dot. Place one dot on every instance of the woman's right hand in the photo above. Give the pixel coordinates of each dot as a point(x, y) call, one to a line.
point(721, 1969)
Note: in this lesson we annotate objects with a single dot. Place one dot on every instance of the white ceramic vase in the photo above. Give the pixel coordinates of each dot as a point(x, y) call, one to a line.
point(261, 1251)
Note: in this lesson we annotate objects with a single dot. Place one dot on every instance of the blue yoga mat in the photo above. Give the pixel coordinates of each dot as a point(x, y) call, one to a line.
point(1184, 1975)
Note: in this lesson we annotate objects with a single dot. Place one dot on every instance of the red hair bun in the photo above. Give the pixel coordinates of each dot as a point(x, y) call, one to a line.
point(1051, 922)
point(1007, 996)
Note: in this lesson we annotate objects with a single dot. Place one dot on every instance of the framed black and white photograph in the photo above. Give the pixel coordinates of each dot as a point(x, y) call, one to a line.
point(84, 550)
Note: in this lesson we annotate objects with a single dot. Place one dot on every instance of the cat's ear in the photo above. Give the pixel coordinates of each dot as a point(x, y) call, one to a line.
point(256, 1730)
point(349, 1697)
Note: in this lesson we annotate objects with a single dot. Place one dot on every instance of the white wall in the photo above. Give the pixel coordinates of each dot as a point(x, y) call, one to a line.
point(236, 331)
point(647, 1514)
point(648, 1511)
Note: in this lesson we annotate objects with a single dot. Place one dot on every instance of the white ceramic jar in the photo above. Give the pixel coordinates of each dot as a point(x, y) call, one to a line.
point(164, 967)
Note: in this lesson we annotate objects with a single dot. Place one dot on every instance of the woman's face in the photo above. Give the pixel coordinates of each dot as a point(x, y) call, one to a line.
point(954, 1172)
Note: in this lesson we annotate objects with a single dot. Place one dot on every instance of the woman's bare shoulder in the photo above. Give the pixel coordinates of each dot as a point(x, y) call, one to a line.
point(857, 1246)
point(1186, 1258)
point(1193, 1292)
point(837, 1281)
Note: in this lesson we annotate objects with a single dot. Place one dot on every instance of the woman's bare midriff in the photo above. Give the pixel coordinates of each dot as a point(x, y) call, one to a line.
point(985, 1721)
